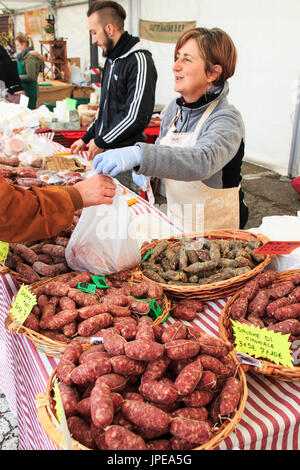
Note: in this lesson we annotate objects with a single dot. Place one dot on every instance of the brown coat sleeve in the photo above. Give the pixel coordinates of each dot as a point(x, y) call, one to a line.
point(37, 213)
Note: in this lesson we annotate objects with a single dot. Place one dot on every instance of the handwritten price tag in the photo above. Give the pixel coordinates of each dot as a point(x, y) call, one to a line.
point(277, 248)
point(60, 412)
point(4, 247)
point(23, 303)
point(262, 343)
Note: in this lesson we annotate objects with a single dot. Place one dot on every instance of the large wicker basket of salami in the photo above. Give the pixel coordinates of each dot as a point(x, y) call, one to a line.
point(207, 266)
point(270, 300)
point(63, 312)
point(151, 393)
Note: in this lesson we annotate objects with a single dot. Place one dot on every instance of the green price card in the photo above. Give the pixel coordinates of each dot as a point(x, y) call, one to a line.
point(71, 103)
point(262, 343)
point(155, 310)
point(100, 282)
point(86, 287)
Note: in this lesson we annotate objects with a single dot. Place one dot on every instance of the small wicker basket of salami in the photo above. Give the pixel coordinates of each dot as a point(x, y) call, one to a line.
point(151, 393)
point(63, 312)
point(270, 300)
point(207, 266)
point(32, 262)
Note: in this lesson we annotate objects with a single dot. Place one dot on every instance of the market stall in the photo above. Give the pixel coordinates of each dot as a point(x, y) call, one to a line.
point(271, 413)
point(121, 332)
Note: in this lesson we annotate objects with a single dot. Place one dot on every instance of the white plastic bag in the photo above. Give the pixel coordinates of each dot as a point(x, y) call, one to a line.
point(101, 242)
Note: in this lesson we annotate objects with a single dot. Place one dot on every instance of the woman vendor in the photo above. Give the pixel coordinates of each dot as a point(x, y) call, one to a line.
point(29, 66)
point(200, 148)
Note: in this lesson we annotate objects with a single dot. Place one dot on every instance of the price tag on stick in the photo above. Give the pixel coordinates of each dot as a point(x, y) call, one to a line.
point(61, 417)
point(262, 343)
point(277, 248)
point(22, 305)
point(4, 247)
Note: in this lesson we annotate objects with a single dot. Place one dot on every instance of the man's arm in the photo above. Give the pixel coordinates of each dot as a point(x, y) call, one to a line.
point(90, 133)
point(140, 100)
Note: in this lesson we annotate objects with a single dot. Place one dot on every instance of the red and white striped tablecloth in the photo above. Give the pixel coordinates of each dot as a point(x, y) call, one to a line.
point(270, 420)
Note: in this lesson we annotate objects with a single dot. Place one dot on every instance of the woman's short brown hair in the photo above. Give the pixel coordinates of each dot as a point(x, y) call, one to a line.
point(23, 38)
point(215, 47)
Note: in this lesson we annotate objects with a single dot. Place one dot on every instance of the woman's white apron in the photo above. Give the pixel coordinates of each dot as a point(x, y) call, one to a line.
point(193, 206)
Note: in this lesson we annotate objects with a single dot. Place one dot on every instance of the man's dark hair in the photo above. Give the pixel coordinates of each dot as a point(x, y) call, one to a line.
point(108, 12)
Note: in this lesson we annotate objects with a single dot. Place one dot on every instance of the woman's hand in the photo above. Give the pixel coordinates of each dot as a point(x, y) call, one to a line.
point(141, 181)
point(113, 162)
point(77, 146)
point(98, 189)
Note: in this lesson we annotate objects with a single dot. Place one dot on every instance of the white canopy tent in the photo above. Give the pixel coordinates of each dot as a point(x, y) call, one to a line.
point(265, 87)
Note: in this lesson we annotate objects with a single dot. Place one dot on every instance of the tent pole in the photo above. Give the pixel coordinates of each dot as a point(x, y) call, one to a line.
point(134, 13)
point(293, 169)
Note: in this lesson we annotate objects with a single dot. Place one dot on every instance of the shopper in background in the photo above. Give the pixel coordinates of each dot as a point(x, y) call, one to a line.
point(40, 213)
point(128, 84)
point(29, 66)
point(9, 76)
point(200, 148)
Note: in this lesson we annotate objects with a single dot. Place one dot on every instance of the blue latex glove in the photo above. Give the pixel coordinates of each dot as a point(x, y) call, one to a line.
point(141, 181)
point(113, 162)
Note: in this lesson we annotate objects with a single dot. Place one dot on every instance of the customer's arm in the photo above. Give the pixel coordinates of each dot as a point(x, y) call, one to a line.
point(37, 213)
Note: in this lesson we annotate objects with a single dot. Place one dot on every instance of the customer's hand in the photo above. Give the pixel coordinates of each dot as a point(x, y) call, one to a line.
point(98, 189)
point(93, 150)
point(113, 162)
point(77, 146)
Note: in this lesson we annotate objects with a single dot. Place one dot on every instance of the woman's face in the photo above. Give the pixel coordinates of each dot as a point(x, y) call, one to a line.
point(20, 46)
point(190, 78)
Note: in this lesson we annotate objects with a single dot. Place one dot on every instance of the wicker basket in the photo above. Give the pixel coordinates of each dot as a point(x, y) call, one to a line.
point(55, 348)
point(18, 277)
point(45, 406)
point(279, 372)
point(218, 289)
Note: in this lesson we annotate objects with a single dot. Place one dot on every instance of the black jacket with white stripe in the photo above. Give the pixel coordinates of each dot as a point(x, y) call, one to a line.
point(127, 96)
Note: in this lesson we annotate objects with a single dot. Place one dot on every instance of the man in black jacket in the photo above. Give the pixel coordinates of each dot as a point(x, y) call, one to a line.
point(128, 83)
